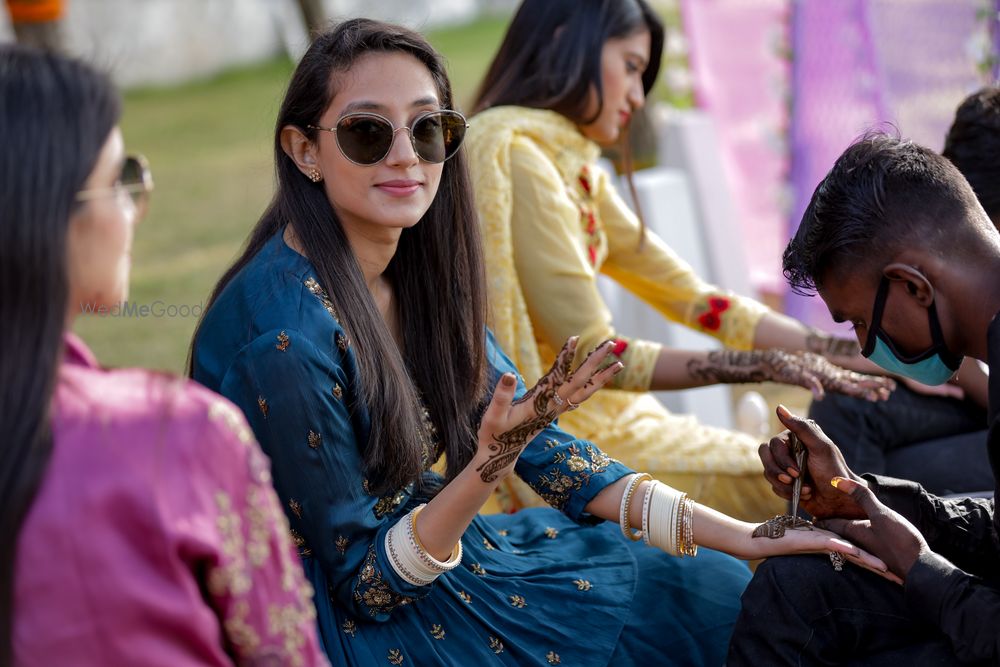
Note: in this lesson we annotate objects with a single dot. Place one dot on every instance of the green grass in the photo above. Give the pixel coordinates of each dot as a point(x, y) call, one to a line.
point(209, 145)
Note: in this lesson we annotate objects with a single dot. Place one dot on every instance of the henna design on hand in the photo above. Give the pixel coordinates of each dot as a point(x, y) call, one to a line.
point(819, 342)
point(729, 366)
point(546, 387)
point(507, 446)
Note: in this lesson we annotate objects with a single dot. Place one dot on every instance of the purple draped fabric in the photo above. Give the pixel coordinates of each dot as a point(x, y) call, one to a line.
point(855, 64)
point(860, 64)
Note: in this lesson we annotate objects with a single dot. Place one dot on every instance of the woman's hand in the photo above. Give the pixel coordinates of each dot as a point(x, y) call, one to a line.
point(817, 374)
point(811, 541)
point(508, 425)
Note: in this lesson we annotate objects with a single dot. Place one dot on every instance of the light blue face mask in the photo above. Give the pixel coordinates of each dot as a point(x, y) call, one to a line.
point(935, 366)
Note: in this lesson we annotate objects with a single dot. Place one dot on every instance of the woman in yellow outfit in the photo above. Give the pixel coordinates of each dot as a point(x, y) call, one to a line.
point(565, 81)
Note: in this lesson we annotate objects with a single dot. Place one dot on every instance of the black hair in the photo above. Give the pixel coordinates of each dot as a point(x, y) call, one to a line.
point(444, 317)
point(550, 57)
point(883, 194)
point(973, 145)
point(56, 114)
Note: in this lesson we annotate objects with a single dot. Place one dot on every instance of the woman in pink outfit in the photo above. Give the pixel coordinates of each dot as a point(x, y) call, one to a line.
point(138, 525)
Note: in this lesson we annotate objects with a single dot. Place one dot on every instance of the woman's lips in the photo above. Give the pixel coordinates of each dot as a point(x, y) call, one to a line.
point(399, 188)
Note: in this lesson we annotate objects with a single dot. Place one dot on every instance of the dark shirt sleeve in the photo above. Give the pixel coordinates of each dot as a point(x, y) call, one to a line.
point(939, 587)
point(959, 529)
point(965, 608)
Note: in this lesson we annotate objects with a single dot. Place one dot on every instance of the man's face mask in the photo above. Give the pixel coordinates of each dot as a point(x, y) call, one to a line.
point(934, 366)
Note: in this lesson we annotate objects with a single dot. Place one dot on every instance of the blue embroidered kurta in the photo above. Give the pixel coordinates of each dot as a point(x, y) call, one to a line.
point(539, 587)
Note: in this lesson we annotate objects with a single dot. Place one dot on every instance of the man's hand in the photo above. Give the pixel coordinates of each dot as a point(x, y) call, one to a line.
point(823, 463)
point(885, 533)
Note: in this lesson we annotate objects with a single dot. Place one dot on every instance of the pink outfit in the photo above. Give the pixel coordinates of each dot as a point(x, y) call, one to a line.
point(156, 537)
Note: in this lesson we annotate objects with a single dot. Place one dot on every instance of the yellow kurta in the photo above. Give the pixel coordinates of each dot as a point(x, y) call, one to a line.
point(551, 222)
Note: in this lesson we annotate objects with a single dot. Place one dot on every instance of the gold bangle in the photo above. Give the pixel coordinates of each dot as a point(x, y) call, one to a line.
point(416, 536)
point(626, 523)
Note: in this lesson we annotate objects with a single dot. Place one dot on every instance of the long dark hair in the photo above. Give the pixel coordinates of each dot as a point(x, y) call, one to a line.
point(437, 273)
point(550, 57)
point(55, 116)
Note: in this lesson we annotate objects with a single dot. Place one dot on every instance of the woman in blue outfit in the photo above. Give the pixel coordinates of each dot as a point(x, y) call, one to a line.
point(352, 332)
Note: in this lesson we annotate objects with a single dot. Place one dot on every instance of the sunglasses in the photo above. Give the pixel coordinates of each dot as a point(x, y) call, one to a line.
point(366, 138)
point(135, 180)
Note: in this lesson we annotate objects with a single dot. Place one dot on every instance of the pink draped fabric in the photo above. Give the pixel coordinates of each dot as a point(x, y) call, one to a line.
point(861, 64)
point(156, 538)
point(741, 71)
point(853, 65)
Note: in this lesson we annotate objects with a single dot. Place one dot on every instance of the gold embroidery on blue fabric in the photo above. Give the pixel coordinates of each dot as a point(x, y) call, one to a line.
point(517, 601)
point(324, 298)
point(496, 645)
point(349, 628)
point(582, 584)
point(551, 533)
point(341, 544)
point(478, 569)
point(437, 632)
point(488, 545)
point(466, 598)
point(262, 404)
point(553, 658)
point(283, 342)
point(555, 486)
point(296, 507)
point(300, 543)
point(338, 392)
point(372, 591)
point(342, 342)
point(395, 657)
point(314, 439)
point(387, 504)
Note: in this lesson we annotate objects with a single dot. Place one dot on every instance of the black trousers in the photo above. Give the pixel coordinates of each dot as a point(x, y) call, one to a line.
point(938, 442)
point(799, 611)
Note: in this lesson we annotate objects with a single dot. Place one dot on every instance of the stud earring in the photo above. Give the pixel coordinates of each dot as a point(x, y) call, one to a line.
point(315, 176)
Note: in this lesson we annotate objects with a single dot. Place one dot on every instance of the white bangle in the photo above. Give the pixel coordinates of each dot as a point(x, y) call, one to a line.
point(646, 500)
point(625, 509)
point(410, 559)
point(665, 513)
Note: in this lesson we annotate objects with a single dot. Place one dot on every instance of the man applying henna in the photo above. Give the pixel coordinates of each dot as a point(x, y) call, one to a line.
point(896, 243)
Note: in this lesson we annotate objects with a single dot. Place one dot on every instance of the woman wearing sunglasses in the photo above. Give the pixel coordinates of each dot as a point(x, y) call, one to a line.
point(137, 521)
point(352, 334)
point(566, 80)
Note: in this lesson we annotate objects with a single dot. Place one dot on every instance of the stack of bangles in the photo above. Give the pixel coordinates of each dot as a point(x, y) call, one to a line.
point(410, 559)
point(667, 516)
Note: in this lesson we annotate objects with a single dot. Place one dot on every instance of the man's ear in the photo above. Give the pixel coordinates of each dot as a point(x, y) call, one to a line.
point(916, 283)
point(302, 151)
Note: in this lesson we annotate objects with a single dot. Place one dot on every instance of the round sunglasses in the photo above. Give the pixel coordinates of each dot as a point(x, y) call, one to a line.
point(134, 180)
point(366, 138)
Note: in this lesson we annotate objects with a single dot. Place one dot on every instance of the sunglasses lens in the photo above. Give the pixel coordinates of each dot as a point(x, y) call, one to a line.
point(136, 180)
point(364, 139)
point(437, 136)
